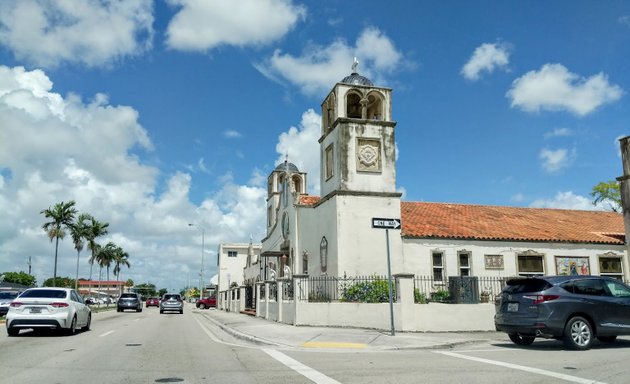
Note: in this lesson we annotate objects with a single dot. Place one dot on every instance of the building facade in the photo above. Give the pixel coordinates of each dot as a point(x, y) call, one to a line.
point(333, 235)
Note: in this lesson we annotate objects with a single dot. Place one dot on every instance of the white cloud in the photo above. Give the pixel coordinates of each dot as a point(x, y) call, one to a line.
point(625, 20)
point(566, 200)
point(318, 67)
point(558, 132)
point(555, 160)
point(204, 25)
point(554, 88)
point(56, 149)
point(519, 197)
point(232, 134)
point(301, 146)
point(487, 57)
point(90, 32)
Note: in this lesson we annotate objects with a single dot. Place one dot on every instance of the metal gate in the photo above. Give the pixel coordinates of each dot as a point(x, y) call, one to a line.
point(250, 302)
point(463, 289)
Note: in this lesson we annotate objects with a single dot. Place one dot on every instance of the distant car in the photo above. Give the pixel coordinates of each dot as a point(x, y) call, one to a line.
point(575, 309)
point(172, 302)
point(152, 302)
point(6, 297)
point(48, 308)
point(206, 302)
point(129, 301)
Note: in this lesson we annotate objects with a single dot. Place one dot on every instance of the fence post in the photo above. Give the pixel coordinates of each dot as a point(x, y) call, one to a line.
point(279, 297)
point(241, 301)
point(258, 301)
point(405, 300)
point(267, 294)
point(300, 295)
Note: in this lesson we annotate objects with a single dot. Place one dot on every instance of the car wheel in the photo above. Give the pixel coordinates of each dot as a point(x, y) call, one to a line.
point(161, 311)
point(181, 312)
point(607, 339)
point(87, 326)
point(520, 339)
point(578, 333)
point(139, 310)
point(13, 331)
point(202, 306)
point(73, 326)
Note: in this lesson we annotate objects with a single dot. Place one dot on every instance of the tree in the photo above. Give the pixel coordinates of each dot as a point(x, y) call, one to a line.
point(607, 192)
point(146, 290)
point(21, 277)
point(95, 229)
point(63, 282)
point(162, 292)
point(79, 232)
point(129, 283)
point(120, 258)
point(105, 256)
point(61, 215)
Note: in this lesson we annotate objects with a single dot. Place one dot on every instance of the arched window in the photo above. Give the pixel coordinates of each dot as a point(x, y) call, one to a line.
point(353, 105)
point(297, 184)
point(375, 106)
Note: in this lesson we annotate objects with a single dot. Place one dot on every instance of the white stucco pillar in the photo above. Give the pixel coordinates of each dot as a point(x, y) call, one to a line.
point(405, 302)
point(267, 300)
point(241, 301)
point(300, 296)
point(279, 298)
point(258, 301)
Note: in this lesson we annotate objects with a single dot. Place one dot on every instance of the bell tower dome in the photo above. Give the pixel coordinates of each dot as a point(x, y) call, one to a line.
point(357, 142)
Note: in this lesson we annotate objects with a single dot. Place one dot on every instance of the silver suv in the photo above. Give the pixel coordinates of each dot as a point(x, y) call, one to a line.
point(129, 301)
point(172, 302)
point(575, 309)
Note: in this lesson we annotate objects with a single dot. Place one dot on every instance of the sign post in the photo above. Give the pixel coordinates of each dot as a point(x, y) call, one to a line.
point(388, 224)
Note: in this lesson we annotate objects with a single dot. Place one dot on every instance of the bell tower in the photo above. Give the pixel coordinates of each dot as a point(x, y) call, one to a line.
point(357, 143)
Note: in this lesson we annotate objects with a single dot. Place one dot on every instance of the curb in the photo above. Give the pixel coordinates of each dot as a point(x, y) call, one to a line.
point(240, 335)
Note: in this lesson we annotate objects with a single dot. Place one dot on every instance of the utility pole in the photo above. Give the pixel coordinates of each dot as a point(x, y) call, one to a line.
point(29, 265)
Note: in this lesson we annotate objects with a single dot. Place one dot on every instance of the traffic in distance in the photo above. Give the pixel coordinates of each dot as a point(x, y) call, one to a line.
point(65, 310)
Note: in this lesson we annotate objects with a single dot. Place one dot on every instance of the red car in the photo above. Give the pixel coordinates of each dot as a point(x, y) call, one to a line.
point(207, 302)
point(153, 301)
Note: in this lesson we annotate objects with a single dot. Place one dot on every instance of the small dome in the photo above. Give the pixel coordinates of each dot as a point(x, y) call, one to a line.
point(356, 79)
point(286, 166)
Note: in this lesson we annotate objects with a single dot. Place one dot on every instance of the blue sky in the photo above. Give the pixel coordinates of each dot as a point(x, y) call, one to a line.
point(153, 115)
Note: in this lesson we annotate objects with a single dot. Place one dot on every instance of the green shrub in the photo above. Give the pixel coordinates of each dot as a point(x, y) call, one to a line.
point(374, 291)
point(419, 297)
point(441, 295)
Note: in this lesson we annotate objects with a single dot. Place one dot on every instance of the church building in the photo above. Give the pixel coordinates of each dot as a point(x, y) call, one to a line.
point(336, 234)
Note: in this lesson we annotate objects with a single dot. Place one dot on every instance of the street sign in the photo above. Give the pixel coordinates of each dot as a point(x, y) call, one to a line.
point(378, 222)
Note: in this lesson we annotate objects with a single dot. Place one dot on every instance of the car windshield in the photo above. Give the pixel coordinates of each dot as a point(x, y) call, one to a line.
point(8, 295)
point(128, 296)
point(171, 297)
point(618, 289)
point(44, 293)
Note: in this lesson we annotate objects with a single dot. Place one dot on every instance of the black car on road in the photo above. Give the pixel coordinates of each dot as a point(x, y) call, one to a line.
point(129, 301)
point(575, 309)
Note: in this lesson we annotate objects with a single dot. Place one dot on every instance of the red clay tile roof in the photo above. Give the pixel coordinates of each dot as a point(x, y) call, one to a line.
point(308, 200)
point(459, 221)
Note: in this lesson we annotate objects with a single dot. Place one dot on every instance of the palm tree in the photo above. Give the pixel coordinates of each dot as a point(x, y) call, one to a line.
point(95, 229)
point(78, 231)
point(121, 258)
point(61, 215)
point(106, 256)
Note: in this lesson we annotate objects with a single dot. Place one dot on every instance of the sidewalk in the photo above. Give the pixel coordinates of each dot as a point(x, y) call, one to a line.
point(271, 333)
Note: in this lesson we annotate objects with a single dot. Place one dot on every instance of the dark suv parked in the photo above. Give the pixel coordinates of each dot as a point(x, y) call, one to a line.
point(129, 301)
point(576, 309)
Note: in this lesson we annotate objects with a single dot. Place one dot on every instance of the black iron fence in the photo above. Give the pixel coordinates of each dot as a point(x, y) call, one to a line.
point(366, 289)
point(458, 289)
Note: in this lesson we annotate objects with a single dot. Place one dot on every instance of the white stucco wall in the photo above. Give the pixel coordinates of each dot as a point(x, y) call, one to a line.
point(417, 255)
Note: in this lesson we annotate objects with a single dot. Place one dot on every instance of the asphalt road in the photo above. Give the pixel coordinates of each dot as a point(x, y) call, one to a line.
point(148, 347)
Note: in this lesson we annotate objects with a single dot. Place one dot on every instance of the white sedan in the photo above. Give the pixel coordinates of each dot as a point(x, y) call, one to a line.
point(48, 308)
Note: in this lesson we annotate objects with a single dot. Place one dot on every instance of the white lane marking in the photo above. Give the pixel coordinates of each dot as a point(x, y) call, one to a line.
point(106, 333)
point(561, 376)
point(300, 368)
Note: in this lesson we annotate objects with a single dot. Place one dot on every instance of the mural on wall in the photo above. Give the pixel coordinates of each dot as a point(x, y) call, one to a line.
point(572, 266)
